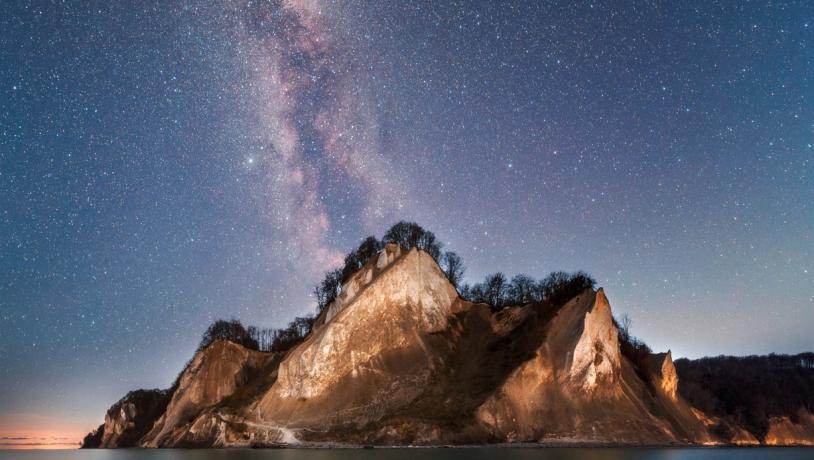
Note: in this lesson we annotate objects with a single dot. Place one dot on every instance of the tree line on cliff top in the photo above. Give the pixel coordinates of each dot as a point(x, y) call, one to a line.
point(496, 290)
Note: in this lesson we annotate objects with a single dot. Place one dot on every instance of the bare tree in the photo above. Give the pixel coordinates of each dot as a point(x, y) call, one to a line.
point(328, 289)
point(368, 248)
point(495, 289)
point(522, 290)
point(453, 267)
point(411, 235)
point(624, 327)
point(232, 331)
point(560, 287)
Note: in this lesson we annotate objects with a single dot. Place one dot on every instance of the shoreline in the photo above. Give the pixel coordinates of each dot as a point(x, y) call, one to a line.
point(524, 445)
point(470, 446)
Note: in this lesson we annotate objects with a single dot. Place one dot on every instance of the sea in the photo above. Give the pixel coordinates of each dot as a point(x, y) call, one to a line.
point(475, 453)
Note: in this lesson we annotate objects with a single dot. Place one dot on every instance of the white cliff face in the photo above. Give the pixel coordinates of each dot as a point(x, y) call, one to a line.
point(409, 296)
point(362, 278)
point(579, 387)
point(547, 394)
point(131, 417)
point(596, 356)
point(585, 344)
point(214, 374)
point(522, 407)
point(117, 423)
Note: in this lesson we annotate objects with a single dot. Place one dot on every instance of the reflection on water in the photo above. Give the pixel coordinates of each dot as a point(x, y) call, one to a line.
point(424, 454)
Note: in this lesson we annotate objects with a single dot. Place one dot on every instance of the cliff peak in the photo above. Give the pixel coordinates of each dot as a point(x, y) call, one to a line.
point(664, 373)
point(587, 343)
point(357, 282)
point(387, 306)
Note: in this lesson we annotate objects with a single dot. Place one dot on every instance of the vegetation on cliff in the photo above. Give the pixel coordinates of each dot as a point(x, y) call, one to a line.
point(407, 235)
point(93, 440)
point(496, 290)
point(255, 338)
point(748, 391)
point(556, 288)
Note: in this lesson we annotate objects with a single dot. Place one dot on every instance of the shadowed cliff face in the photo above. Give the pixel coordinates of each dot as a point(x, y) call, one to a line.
point(129, 419)
point(753, 399)
point(400, 358)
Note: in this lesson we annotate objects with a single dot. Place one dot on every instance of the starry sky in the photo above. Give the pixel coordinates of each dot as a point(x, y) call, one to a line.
point(164, 164)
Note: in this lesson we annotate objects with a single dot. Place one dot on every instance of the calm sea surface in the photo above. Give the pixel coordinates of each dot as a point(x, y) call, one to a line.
point(424, 454)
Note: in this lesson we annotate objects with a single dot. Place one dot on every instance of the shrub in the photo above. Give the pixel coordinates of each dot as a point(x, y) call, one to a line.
point(296, 332)
point(258, 339)
point(636, 351)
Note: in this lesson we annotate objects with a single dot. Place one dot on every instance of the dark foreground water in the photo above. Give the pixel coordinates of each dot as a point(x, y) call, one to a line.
point(425, 454)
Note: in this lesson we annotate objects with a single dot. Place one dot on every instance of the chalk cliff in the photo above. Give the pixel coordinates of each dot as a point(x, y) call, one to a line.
point(129, 419)
point(221, 371)
point(399, 358)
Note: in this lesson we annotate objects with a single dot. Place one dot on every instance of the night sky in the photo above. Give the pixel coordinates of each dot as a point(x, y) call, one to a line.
point(164, 165)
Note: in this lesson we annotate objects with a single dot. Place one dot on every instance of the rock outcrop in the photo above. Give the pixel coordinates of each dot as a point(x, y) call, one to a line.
point(399, 358)
point(785, 431)
point(93, 440)
point(664, 373)
point(359, 280)
point(585, 336)
point(580, 388)
point(129, 419)
point(221, 371)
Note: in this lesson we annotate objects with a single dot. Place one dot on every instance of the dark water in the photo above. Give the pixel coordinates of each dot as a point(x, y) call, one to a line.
point(425, 454)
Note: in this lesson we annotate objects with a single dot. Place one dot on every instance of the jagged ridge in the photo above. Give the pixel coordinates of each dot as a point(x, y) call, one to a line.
point(400, 358)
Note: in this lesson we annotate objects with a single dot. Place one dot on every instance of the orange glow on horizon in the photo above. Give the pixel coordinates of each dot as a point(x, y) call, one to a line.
point(34, 431)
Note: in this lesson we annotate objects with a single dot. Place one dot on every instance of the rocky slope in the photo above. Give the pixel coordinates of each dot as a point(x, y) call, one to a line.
point(400, 358)
point(578, 387)
point(222, 376)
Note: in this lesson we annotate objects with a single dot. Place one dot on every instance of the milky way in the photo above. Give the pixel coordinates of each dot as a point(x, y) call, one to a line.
point(168, 164)
point(316, 135)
